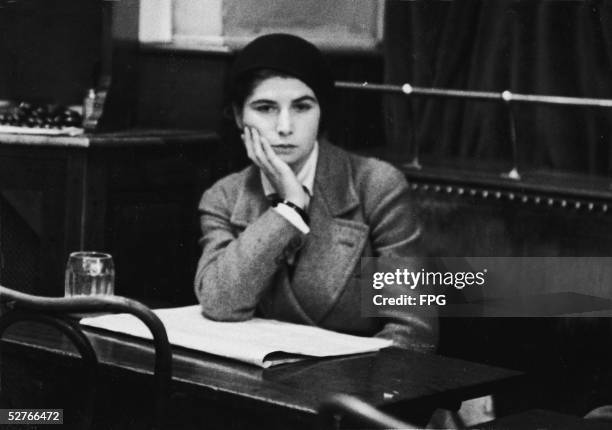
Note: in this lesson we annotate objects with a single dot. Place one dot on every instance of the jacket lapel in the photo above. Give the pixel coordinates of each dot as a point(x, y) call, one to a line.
point(335, 243)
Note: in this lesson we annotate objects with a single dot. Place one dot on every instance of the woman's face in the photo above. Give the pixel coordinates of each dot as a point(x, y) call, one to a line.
point(286, 113)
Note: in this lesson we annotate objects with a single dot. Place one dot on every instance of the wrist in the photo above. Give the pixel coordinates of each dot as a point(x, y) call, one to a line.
point(298, 209)
point(300, 200)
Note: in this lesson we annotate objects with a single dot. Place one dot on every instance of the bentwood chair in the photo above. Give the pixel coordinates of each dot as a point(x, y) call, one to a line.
point(60, 313)
point(358, 413)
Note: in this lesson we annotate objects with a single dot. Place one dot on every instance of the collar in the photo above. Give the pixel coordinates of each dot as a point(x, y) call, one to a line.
point(306, 175)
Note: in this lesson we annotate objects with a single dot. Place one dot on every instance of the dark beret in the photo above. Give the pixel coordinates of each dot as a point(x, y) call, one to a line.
point(289, 55)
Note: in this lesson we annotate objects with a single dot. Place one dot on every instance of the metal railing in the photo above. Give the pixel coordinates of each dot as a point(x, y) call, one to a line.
point(508, 98)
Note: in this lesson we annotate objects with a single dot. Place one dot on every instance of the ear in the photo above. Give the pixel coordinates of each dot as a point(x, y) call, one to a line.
point(238, 117)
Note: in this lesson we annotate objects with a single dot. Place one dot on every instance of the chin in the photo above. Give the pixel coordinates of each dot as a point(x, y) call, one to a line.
point(287, 158)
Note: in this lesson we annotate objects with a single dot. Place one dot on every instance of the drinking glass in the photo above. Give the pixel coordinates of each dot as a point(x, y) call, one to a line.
point(89, 273)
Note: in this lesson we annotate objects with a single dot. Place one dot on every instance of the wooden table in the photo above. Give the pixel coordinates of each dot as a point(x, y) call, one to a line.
point(213, 391)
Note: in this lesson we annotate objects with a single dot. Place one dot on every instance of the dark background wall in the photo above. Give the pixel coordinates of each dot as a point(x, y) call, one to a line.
point(50, 49)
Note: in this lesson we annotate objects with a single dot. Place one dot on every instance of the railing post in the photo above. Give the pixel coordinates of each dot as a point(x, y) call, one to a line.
point(513, 173)
point(414, 163)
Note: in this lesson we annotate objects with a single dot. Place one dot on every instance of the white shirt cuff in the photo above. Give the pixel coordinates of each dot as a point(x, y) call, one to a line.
point(293, 217)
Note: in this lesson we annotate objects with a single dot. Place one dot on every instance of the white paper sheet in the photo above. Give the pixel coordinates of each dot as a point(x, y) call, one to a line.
point(257, 341)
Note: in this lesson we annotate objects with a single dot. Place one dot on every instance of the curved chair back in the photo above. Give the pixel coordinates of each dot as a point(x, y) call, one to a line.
point(56, 311)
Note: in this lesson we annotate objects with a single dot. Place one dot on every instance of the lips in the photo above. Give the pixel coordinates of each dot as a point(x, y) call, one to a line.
point(283, 147)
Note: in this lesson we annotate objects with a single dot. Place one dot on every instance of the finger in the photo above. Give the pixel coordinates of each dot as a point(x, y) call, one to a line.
point(267, 148)
point(275, 161)
point(288, 184)
point(248, 142)
point(260, 154)
point(252, 144)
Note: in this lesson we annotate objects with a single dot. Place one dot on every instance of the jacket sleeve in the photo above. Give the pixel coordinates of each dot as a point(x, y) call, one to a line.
point(235, 269)
point(395, 233)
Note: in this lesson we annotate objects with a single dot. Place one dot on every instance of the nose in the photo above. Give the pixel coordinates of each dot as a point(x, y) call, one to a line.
point(284, 123)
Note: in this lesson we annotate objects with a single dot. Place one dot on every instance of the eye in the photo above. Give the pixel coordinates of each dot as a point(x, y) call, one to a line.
point(264, 108)
point(302, 107)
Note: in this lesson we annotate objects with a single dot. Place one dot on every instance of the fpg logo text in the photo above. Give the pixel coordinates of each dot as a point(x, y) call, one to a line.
point(432, 299)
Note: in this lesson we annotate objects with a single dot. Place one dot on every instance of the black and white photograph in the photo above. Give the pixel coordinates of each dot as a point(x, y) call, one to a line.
point(306, 214)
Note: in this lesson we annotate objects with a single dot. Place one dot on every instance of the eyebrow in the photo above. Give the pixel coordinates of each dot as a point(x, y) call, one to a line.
point(298, 100)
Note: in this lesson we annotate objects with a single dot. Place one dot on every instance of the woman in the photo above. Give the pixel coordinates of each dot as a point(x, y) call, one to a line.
point(283, 238)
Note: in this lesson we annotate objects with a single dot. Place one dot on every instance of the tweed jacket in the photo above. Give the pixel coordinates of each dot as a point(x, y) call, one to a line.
point(360, 208)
